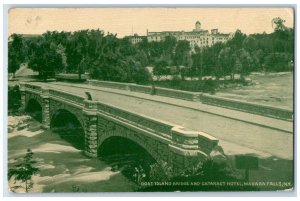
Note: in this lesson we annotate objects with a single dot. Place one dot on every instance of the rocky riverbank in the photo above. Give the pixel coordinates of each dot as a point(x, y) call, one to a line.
point(63, 168)
point(18, 123)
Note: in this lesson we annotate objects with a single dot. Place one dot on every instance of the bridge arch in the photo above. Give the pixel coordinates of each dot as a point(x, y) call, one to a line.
point(128, 150)
point(34, 108)
point(56, 106)
point(148, 144)
point(69, 127)
point(140, 155)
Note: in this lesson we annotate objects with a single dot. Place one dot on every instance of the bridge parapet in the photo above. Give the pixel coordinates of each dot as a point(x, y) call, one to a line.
point(67, 96)
point(160, 91)
point(157, 126)
point(185, 95)
point(255, 108)
point(108, 84)
point(193, 140)
point(33, 87)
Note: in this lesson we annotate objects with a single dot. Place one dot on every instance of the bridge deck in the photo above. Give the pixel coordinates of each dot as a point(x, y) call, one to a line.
point(238, 132)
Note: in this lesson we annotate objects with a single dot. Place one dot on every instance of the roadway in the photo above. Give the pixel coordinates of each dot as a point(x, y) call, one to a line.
point(238, 132)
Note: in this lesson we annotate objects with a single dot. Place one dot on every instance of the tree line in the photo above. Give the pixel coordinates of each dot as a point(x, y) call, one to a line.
point(106, 57)
point(241, 54)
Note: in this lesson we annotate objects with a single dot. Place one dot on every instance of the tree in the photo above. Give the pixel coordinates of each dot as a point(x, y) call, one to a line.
point(210, 59)
point(182, 53)
point(141, 57)
point(279, 24)
point(183, 56)
point(77, 48)
point(237, 41)
point(24, 171)
point(250, 43)
point(140, 74)
point(46, 56)
point(15, 53)
point(197, 67)
point(168, 45)
point(226, 62)
point(246, 61)
point(277, 62)
point(258, 56)
point(160, 68)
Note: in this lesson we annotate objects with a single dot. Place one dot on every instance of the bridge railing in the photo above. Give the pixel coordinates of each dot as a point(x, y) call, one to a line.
point(185, 95)
point(140, 88)
point(33, 87)
point(158, 126)
point(108, 84)
point(260, 109)
point(70, 97)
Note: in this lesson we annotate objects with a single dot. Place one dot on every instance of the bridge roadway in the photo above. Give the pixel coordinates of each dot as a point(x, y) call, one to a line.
point(238, 132)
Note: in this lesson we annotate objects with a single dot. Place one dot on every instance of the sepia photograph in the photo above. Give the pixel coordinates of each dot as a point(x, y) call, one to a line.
point(150, 99)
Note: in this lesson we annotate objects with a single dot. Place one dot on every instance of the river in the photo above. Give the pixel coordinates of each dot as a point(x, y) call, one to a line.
point(64, 168)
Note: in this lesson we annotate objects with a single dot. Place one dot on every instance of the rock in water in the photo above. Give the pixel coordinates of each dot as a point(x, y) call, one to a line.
point(22, 126)
point(10, 129)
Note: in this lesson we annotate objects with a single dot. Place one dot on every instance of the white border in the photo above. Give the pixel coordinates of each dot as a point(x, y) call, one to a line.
point(87, 3)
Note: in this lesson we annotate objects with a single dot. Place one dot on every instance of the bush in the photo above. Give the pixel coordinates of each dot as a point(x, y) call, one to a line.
point(210, 86)
point(14, 99)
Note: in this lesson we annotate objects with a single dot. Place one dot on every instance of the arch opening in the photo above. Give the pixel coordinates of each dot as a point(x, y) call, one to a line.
point(129, 157)
point(68, 127)
point(34, 109)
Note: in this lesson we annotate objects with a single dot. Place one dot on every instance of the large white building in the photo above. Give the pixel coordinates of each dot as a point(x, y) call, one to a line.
point(136, 39)
point(198, 37)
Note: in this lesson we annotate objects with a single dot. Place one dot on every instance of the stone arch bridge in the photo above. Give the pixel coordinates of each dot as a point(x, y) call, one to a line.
point(165, 142)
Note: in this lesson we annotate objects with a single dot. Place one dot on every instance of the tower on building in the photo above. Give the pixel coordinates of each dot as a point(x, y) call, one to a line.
point(197, 26)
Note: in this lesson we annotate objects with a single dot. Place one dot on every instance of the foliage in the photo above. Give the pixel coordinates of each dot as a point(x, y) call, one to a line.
point(47, 55)
point(24, 171)
point(14, 99)
point(16, 53)
point(277, 62)
point(106, 57)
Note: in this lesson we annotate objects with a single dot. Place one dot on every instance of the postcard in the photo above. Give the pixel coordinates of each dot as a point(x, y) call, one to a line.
point(150, 99)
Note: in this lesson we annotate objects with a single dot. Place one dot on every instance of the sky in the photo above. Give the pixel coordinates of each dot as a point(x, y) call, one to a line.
point(125, 21)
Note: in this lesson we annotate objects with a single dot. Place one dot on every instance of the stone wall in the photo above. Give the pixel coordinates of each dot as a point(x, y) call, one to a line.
point(185, 95)
point(70, 97)
point(260, 109)
point(157, 126)
point(140, 88)
point(179, 94)
point(107, 84)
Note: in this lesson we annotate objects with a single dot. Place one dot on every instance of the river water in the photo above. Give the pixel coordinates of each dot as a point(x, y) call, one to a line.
point(64, 168)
